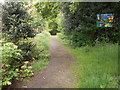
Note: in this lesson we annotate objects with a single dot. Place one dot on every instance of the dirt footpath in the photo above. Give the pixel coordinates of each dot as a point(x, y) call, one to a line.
point(57, 74)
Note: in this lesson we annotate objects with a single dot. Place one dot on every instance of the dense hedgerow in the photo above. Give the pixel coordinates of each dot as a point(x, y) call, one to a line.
point(19, 62)
point(79, 23)
point(13, 66)
point(19, 49)
point(11, 57)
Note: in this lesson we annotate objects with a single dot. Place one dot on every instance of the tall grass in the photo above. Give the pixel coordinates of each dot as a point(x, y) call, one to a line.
point(96, 67)
point(42, 41)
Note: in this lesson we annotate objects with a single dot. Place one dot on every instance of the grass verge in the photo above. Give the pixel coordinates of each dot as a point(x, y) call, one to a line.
point(96, 67)
point(42, 41)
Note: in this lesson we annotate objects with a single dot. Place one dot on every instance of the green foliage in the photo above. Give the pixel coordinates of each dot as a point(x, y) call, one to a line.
point(20, 50)
point(27, 47)
point(53, 26)
point(48, 10)
point(38, 23)
point(10, 57)
point(40, 64)
point(16, 22)
point(17, 60)
point(79, 23)
point(10, 53)
point(42, 53)
point(8, 76)
point(96, 67)
point(59, 21)
point(25, 71)
point(63, 38)
point(42, 41)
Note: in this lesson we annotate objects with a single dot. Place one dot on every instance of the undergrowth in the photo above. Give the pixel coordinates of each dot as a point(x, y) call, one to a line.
point(95, 67)
point(42, 41)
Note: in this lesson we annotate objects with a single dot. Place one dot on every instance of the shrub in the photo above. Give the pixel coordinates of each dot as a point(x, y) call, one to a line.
point(16, 22)
point(13, 64)
point(10, 57)
point(27, 47)
point(79, 23)
point(25, 71)
point(34, 48)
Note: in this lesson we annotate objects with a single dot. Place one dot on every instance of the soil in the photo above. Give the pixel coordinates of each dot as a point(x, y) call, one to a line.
point(57, 74)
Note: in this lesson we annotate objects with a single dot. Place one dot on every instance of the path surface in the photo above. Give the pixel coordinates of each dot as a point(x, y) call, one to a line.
point(57, 74)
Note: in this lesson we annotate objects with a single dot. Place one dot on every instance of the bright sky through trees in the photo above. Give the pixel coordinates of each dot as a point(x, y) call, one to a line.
point(2, 1)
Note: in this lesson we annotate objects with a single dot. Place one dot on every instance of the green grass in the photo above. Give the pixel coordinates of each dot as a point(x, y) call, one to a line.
point(96, 67)
point(39, 65)
point(42, 41)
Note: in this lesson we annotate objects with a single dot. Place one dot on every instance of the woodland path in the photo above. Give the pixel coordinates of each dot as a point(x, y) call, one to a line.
point(57, 74)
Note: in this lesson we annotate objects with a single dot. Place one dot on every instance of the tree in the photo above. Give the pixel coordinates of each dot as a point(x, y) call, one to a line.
point(80, 22)
point(49, 12)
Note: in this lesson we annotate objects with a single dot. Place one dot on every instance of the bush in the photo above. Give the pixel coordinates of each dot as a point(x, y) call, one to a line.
point(27, 47)
point(16, 22)
point(11, 58)
point(13, 64)
point(53, 26)
point(79, 23)
point(25, 71)
point(10, 53)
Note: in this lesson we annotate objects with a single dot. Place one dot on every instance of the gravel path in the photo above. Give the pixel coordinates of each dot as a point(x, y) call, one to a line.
point(57, 74)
